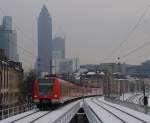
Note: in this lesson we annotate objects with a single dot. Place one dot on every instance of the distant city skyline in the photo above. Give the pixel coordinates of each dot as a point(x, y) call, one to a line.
point(92, 28)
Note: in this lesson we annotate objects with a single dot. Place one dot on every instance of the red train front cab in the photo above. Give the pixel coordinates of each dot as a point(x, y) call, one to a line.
point(56, 91)
point(36, 92)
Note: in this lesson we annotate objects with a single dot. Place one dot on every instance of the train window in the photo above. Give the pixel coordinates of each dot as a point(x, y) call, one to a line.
point(62, 89)
point(46, 86)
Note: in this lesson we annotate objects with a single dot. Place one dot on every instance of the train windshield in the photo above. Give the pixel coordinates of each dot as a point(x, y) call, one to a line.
point(46, 86)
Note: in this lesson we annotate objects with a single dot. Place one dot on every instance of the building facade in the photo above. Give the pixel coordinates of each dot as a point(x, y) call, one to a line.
point(58, 54)
point(139, 70)
point(59, 45)
point(56, 59)
point(69, 65)
point(8, 39)
point(11, 76)
point(44, 62)
point(113, 67)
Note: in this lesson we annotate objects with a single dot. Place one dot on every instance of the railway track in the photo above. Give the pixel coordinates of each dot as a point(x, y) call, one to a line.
point(100, 120)
point(118, 118)
point(32, 117)
point(40, 117)
point(120, 113)
point(20, 118)
point(35, 115)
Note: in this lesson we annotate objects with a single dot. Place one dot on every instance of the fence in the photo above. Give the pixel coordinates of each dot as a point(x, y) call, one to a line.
point(137, 107)
point(8, 112)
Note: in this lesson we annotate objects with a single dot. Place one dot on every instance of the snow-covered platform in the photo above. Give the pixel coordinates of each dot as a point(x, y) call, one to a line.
point(100, 111)
point(63, 114)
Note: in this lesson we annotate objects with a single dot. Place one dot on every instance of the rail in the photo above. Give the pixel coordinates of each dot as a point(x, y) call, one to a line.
point(8, 112)
point(121, 111)
point(68, 115)
point(91, 115)
point(137, 107)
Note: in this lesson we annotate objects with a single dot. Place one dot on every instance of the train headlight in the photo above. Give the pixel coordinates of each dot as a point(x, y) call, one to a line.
point(55, 95)
point(35, 96)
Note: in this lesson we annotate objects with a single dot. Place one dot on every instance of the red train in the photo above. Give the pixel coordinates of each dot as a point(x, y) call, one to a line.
point(52, 90)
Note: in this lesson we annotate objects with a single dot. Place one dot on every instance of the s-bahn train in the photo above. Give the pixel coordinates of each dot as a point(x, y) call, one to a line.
point(52, 90)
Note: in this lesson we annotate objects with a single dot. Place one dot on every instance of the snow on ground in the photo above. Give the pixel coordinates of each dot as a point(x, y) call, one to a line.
point(130, 111)
point(10, 119)
point(32, 117)
point(105, 116)
point(122, 115)
point(50, 118)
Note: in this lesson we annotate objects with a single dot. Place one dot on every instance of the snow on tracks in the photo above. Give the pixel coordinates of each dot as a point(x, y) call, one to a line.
point(36, 116)
point(110, 112)
point(19, 116)
point(126, 117)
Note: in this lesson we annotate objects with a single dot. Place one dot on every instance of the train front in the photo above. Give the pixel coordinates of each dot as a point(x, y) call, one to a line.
point(44, 92)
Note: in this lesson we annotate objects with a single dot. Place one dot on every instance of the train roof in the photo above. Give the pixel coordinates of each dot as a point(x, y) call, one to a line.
point(67, 82)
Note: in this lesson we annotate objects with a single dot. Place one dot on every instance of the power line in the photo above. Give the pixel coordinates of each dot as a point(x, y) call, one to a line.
point(140, 56)
point(131, 32)
point(136, 49)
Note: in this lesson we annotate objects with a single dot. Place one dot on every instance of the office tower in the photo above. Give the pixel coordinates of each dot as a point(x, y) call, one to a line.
point(8, 39)
point(44, 41)
point(59, 45)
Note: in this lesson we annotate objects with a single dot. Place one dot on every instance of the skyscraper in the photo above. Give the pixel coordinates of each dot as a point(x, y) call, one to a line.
point(44, 41)
point(7, 22)
point(59, 45)
point(58, 53)
point(8, 39)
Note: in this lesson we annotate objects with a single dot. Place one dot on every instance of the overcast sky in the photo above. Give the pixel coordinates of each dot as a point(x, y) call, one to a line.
point(93, 28)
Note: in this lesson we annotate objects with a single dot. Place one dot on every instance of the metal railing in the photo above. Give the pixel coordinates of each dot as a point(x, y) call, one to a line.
point(91, 115)
point(8, 112)
point(137, 107)
point(68, 115)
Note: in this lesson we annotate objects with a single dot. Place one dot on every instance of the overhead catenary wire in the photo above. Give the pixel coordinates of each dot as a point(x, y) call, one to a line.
point(140, 56)
point(136, 49)
point(130, 33)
